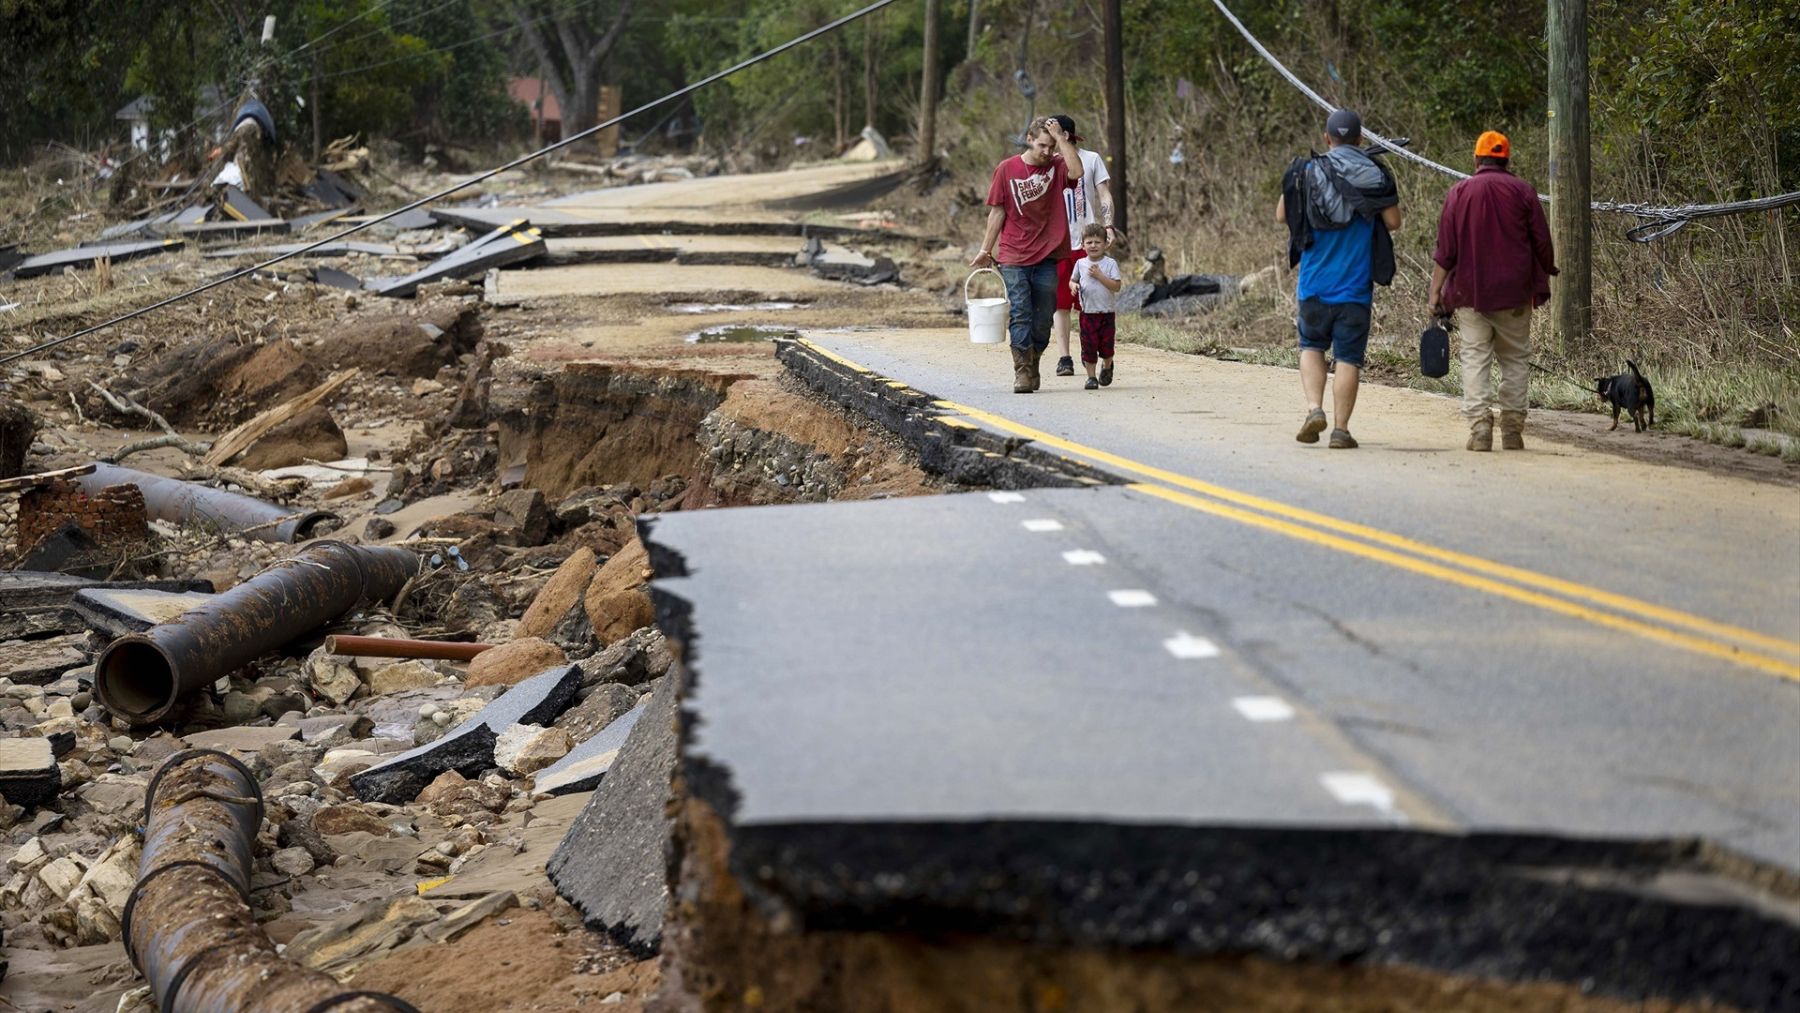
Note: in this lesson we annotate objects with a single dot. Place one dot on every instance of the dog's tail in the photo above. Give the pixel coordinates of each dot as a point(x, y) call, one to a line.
point(1634, 369)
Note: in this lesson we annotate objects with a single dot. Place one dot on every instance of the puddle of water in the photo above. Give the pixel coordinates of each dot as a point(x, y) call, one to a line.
point(721, 307)
point(740, 334)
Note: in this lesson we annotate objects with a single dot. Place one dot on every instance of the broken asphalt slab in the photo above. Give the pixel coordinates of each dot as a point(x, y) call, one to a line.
point(115, 612)
point(508, 244)
point(85, 256)
point(35, 662)
point(554, 224)
point(613, 864)
point(588, 762)
point(33, 603)
point(468, 748)
point(28, 772)
point(327, 250)
point(1086, 786)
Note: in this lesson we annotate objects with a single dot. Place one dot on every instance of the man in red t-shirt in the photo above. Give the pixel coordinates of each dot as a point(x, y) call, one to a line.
point(1027, 233)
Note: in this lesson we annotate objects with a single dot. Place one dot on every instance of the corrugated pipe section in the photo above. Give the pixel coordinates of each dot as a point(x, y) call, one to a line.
point(188, 927)
point(141, 676)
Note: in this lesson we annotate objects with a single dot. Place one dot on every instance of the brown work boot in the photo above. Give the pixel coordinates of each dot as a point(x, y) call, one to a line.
point(1022, 372)
point(1512, 430)
point(1481, 433)
point(1037, 374)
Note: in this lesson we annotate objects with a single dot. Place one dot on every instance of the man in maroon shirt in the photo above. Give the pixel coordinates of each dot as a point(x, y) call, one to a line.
point(1493, 266)
point(1027, 233)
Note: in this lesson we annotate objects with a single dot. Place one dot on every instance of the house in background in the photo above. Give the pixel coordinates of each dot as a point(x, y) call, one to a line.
point(546, 115)
point(136, 115)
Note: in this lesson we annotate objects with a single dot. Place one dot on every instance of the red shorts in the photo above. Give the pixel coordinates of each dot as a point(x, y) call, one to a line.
point(1097, 335)
point(1065, 269)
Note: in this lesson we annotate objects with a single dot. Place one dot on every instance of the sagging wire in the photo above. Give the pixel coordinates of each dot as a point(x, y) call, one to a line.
point(1660, 221)
point(681, 92)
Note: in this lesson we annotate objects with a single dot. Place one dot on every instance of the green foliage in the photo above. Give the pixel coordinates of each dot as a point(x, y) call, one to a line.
point(1688, 74)
point(1465, 64)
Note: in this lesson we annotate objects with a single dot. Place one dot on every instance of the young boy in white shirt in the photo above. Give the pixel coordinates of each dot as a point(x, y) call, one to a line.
point(1094, 282)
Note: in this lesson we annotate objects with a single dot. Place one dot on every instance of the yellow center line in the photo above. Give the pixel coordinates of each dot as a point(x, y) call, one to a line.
point(1675, 638)
point(1640, 610)
point(1529, 578)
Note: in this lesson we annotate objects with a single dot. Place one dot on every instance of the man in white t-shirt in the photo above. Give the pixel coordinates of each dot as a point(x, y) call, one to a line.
point(1087, 202)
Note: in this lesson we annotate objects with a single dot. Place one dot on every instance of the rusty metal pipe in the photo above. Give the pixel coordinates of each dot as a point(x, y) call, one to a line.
point(188, 927)
point(399, 647)
point(191, 504)
point(140, 676)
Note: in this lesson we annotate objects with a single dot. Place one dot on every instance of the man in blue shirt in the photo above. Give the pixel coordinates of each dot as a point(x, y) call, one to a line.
point(1335, 289)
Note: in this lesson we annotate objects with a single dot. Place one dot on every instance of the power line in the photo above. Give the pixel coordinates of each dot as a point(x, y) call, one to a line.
point(685, 90)
point(1659, 220)
point(315, 40)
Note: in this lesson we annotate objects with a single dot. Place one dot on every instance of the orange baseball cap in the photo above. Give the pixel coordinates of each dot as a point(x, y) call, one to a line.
point(1493, 144)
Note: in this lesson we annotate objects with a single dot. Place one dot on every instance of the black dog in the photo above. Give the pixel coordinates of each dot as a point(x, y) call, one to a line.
point(1629, 393)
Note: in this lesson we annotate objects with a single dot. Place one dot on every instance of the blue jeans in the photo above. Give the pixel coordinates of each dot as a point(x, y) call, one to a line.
point(1031, 289)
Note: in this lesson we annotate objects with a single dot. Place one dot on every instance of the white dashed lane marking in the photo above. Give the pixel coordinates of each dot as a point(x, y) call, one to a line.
point(1083, 557)
point(1132, 599)
point(1041, 524)
point(1185, 645)
point(1006, 497)
point(1353, 788)
point(1263, 708)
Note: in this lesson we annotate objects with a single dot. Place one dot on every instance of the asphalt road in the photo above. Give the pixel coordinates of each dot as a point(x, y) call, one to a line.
point(1557, 641)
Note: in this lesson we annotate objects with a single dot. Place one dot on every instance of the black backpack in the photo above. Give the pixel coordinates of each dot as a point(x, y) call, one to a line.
point(1300, 190)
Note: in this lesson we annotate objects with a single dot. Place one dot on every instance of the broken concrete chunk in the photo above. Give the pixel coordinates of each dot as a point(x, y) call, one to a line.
point(114, 613)
point(43, 661)
point(469, 747)
point(400, 677)
point(599, 707)
point(526, 749)
point(349, 819)
point(330, 679)
point(334, 729)
point(508, 663)
point(240, 740)
point(639, 657)
point(28, 772)
point(613, 863)
point(584, 767)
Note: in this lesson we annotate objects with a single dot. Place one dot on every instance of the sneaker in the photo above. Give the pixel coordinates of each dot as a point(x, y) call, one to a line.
point(1092, 384)
point(1342, 440)
point(1106, 375)
point(1312, 427)
point(1065, 366)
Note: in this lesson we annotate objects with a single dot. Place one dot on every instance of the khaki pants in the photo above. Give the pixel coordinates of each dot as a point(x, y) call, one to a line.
point(1503, 337)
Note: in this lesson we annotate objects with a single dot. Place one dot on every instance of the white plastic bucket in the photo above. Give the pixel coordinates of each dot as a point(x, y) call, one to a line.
point(987, 316)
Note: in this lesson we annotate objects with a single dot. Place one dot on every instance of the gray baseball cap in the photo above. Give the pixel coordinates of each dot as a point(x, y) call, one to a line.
point(1344, 126)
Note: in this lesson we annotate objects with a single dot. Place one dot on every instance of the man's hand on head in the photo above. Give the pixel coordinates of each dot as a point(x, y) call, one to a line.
point(1054, 126)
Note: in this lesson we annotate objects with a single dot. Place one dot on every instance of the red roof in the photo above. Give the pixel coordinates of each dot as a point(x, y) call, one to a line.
point(526, 90)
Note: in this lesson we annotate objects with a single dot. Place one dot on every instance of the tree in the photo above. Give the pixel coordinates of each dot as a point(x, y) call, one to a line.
point(573, 45)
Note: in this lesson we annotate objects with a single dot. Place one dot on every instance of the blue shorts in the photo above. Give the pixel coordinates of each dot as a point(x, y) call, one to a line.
point(1343, 328)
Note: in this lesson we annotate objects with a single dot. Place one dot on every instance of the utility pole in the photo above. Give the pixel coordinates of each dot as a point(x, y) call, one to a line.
point(1113, 22)
point(928, 89)
point(1571, 185)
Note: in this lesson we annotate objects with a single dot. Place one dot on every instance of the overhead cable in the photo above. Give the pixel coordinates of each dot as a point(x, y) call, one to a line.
point(1659, 221)
point(683, 91)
